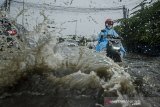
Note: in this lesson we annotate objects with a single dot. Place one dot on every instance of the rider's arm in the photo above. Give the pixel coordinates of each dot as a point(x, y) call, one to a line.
point(100, 37)
point(115, 33)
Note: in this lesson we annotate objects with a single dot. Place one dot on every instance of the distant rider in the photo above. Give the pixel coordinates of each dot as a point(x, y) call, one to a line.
point(102, 38)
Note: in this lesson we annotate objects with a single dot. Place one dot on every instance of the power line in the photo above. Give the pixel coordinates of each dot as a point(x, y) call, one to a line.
point(69, 9)
point(135, 2)
point(143, 3)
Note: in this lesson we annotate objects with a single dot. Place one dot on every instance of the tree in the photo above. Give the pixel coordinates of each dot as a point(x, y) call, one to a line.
point(142, 28)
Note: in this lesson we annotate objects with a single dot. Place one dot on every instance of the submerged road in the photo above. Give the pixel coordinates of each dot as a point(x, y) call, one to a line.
point(145, 72)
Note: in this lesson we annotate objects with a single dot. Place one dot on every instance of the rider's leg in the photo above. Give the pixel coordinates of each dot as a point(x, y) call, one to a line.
point(101, 46)
point(122, 54)
point(122, 50)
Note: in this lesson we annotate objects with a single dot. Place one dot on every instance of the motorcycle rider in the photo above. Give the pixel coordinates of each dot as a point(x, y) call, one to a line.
point(102, 38)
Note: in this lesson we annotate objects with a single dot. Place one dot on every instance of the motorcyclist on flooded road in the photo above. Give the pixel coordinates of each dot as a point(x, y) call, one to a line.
point(102, 38)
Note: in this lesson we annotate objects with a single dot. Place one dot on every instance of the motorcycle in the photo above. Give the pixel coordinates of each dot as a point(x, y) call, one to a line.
point(8, 34)
point(114, 48)
point(112, 45)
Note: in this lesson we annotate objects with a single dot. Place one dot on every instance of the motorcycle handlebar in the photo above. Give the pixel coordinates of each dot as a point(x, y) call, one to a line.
point(112, 39)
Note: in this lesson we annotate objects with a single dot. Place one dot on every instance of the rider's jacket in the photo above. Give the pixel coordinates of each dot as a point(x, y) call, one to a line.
point(102, 39)
point(106, 32)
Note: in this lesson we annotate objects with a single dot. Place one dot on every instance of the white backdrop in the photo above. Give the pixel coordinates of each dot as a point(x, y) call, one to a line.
point(70, 20)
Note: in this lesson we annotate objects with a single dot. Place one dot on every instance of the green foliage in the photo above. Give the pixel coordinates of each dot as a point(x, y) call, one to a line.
point(143, 27)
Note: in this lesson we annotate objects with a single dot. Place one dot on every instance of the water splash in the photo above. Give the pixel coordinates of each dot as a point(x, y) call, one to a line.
point(61, 70)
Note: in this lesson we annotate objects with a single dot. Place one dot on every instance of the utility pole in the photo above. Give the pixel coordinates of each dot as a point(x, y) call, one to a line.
point(7, 5)
point(125, 12)
point(76, 29)
point(125, 16)
point(23, 17)
point(23, 14)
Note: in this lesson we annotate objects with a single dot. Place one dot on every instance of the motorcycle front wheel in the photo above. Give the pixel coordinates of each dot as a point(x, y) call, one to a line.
point(117, 57)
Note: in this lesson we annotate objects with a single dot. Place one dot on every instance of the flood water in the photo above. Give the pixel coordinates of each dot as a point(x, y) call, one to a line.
point(145, 72)
point(145, 69)
point(36, 91)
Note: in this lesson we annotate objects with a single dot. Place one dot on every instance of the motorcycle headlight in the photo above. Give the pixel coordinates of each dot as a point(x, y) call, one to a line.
point(116, 48)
